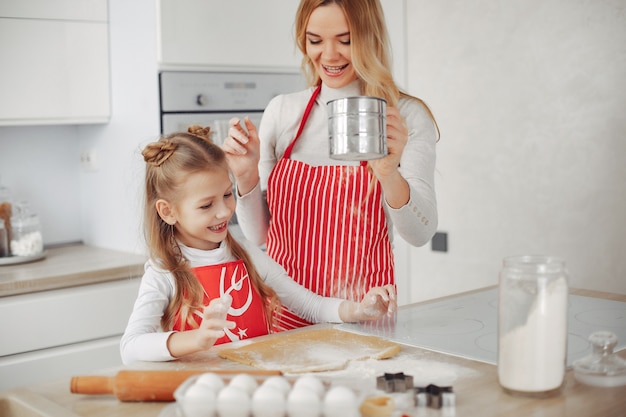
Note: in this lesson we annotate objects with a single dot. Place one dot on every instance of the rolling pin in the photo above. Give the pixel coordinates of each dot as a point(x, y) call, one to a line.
point(129, 385)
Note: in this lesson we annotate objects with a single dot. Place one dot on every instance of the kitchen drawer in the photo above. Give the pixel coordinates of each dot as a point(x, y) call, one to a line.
point(65, 316)
point(62, 362)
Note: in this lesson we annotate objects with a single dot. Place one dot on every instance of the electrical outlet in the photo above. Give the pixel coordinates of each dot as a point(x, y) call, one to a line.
point(439, 243)
point(88, 161)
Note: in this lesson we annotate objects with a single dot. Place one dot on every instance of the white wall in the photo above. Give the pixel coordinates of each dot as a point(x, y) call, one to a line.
point(40, 165)
point(111, 204)
point(530, 98)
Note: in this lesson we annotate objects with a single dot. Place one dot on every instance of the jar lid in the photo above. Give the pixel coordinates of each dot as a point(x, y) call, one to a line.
point(603, 368)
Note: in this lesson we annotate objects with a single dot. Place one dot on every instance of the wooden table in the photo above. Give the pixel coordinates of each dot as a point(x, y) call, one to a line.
point(477, 392)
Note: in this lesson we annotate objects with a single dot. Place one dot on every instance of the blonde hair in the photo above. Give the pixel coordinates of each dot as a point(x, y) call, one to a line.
point(370, 48)
point(168, 162)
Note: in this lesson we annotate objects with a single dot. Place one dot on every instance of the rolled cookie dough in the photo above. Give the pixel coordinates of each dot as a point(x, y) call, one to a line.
point(315, 350)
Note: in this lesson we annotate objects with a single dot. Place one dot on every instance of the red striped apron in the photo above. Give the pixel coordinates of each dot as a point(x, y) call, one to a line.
point(328, 228)
point(246, 309)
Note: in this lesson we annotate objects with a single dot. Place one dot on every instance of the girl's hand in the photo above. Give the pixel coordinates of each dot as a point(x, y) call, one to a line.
point(397, 137)
point(211, 328)
point(214, 321)
point(242, 147)
point(378, 302)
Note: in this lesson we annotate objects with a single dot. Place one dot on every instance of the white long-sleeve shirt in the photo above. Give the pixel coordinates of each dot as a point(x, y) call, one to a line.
point(145, 340)
point(416, 221)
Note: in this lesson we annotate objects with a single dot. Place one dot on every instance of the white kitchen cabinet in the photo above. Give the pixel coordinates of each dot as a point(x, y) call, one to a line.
point(64, 332)
point(216, 33)
point(55, 62)
point(235, 35)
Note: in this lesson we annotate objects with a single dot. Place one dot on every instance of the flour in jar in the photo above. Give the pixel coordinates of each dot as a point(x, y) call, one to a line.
point(531, 357)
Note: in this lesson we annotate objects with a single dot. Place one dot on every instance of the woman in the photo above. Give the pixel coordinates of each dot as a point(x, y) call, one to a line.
point(327, 222)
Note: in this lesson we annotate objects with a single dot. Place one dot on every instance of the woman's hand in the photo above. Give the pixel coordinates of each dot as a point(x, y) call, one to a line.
point(397, 137)
point(242, 147)
point(378, 302)
point(395, 187)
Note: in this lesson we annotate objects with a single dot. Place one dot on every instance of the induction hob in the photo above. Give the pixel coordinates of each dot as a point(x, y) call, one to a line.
point(467, 325)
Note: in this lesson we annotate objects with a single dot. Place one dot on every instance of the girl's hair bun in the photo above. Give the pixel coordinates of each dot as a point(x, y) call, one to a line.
point(157, 152)
point(201, 132)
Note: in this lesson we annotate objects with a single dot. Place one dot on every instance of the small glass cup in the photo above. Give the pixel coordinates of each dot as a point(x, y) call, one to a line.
point(532, 325)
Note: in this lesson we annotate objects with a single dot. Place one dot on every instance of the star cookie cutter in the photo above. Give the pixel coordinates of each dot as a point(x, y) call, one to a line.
point(394, 382)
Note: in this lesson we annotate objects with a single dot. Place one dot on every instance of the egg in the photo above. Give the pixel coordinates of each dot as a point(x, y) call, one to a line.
point(340, 402)
point(268, 401)
point(245, 382)
point(198, 401)
point(212, 381)
point(312, 383)
point(303, 402)
point(279, 382)
point(233, 402)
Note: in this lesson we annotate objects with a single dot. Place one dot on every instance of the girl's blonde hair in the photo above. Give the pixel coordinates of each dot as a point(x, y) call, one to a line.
point(369, 43)
point(168, 163)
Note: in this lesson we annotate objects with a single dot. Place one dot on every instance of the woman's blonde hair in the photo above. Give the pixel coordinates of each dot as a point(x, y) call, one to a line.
point(369, 43)
point(168, 163)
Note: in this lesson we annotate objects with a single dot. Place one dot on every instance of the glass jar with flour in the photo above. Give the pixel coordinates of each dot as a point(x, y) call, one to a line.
point(532, 325)
point(26, 237)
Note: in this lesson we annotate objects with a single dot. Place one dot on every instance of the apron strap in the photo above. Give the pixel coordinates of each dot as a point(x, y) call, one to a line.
point(307, 111)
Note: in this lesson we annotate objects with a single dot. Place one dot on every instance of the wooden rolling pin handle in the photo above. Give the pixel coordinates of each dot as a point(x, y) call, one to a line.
point(92, 384)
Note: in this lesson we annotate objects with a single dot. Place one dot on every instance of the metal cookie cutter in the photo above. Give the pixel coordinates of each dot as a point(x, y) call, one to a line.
point(434, 396)
point(394, 382)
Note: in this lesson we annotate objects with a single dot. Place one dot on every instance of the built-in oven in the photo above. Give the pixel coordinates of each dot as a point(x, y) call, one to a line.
point(213, 98)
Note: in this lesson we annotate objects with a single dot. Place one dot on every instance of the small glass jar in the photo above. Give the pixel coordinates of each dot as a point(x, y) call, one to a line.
point(26, 237)
point(532, 325)
point(4, 241)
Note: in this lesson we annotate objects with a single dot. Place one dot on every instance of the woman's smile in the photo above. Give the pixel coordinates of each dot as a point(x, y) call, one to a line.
point(334, 70)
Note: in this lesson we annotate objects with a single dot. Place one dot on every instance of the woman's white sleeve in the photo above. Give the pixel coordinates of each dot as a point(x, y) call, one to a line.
point(253, 215)
point(252, 212)
point(417, 221)
point(144, 339)
point(306, 304)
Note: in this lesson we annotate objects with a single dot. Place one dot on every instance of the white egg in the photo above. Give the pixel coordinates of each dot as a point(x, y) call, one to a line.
point(245, 382)
point(310, 382)
point(279, 382)
point(302, 402)
point(268, 401)
point(233, 402)
point(212, 381)
point(340, 402)
point(198, 401)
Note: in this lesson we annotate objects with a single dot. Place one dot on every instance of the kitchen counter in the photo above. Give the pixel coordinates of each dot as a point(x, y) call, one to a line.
point(475, 384)
point(69, 266)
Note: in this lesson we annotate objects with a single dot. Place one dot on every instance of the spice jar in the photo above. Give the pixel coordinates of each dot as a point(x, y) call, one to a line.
point(532, 325)
point(5, 213)
point(26, 237)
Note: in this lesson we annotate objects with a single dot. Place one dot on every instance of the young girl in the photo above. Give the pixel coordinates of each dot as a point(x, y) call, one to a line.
point(202, 286)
